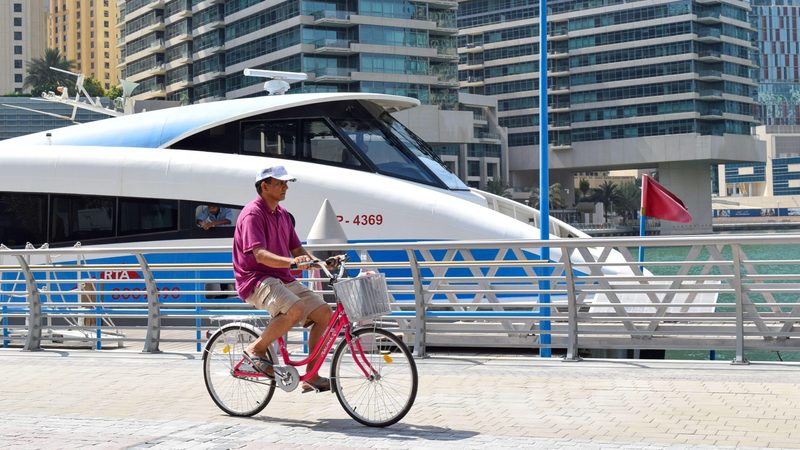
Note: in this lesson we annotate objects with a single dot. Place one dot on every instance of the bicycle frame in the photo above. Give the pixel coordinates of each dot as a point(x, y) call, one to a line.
point(338, 322)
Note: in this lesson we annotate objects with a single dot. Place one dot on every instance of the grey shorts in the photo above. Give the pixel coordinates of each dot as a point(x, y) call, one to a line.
point(273, 295)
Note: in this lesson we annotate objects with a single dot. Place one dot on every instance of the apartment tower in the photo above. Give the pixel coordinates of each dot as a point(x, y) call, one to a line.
point(85, 31)
point(664, 84)
point(24, 39)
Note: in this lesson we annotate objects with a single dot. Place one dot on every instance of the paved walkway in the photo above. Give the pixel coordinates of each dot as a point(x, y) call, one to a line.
point(125, 399)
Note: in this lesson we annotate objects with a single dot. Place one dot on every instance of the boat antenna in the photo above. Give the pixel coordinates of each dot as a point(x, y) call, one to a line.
point(279, 82)
point(79, 89)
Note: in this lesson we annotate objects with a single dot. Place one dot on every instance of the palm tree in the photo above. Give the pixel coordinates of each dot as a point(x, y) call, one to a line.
point(497, 187)
point(41, 78)
point(555, 197)
point(628, 200)
point(584, 188)
point(607, 194)
point(93, 87)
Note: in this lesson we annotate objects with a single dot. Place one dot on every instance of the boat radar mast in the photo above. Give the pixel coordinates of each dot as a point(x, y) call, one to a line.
point(280, 81)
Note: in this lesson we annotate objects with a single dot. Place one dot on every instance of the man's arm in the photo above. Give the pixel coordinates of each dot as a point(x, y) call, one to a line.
point(269, 259)
point(301, 252)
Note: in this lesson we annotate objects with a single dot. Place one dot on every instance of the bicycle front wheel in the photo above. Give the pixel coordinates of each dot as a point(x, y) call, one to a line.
point(375, 377)
point(233, 392)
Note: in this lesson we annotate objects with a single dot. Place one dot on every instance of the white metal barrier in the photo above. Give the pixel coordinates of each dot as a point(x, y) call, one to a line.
point(713, 293)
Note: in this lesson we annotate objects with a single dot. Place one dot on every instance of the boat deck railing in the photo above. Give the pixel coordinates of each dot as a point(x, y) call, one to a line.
point(690, 293)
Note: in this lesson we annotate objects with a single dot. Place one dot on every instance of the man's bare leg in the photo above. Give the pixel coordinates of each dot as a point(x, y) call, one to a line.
point(277, 327)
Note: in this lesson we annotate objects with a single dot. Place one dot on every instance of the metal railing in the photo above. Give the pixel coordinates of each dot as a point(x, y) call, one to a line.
point(699, 293)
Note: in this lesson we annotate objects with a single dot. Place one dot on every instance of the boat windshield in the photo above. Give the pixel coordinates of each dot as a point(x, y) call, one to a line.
point(424, 153)
point(344, 134)
point(392, 150)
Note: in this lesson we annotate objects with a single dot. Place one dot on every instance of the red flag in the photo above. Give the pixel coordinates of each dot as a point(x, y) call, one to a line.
point(660, 203)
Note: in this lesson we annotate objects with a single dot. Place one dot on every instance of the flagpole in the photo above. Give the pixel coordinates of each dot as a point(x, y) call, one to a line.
point(642, 217)
point(642, 226)
point(544, 181)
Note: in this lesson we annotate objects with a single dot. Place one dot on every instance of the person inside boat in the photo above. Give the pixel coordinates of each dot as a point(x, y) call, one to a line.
point(265, 249)
point(212, 216)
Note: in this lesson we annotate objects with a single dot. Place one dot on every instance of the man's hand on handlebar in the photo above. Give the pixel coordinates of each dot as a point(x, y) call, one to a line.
point(302, 260)
point(331, 263)
point(334, 261)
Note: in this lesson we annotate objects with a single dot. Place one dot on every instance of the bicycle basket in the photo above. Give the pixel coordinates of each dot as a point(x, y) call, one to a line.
point(364, 297)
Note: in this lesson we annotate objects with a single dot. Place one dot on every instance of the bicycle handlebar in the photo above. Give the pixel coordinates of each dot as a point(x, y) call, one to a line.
point(336, 261)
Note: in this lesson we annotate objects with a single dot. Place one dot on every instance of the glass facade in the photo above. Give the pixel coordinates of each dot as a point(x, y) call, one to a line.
point(202, 40)
point(617, 68)
point(778, 50)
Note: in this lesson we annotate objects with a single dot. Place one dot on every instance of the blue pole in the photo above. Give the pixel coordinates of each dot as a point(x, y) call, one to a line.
point(642, 230)
point(5, 326)
point(544, 178)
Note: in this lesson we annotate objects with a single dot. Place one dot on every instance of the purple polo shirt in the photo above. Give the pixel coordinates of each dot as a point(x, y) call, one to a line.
point(257, 226)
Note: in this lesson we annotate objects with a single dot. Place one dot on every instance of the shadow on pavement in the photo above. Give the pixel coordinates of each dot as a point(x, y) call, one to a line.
point(399, 431)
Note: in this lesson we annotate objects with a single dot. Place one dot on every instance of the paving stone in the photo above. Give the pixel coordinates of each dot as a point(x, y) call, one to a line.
point(123, 399)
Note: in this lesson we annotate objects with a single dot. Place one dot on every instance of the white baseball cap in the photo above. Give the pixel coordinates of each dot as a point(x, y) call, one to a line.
point(277, 172)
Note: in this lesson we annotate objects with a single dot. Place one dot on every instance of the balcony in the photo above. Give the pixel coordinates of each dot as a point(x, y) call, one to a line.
point(488, 137)
point(472, 81)
point(446, 53)
point(558, 71)
point(557, 32)
point(207, 27)
point(180, 60)
point(712, 114)
point(333, 46)
point(710, 17)
point(556, 53)
point(333, 74)
point(709, 55)
point(709, 75)
point(710, 94)
point(556, 90)
point(154, 92)
point(197, 7)
point(472, 47)
point(333, 18)
point(178, 85)
point(709, 35)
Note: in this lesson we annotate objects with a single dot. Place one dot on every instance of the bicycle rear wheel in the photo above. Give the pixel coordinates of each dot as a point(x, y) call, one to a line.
point(375, 378)
point(236, 394)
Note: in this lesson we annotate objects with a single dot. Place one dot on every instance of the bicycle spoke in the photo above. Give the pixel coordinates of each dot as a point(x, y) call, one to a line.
point(240, 396)
point(387, 393)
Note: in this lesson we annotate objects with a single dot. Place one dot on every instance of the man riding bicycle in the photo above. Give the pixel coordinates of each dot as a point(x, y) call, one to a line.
point(265, 248)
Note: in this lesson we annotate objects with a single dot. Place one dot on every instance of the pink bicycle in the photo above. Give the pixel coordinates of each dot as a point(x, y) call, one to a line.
point(372, 371)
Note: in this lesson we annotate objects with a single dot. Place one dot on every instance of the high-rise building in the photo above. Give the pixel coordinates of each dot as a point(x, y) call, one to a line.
point(85, 31)
point(196, 51)
point(776, 25)
point(24, 37)
point(662, 84)
point(778, 49)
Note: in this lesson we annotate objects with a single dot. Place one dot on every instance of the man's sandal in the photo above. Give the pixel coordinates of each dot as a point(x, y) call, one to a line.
point(320, 385)
point(261, 364)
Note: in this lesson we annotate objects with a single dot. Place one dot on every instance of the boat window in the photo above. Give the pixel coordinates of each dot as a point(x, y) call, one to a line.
point(23, 219)
point(320, 143)
point(211, 220)
point(74, 218)
point(421, 149)
point(269, 138)
point(138, 216)
point(384, 152)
